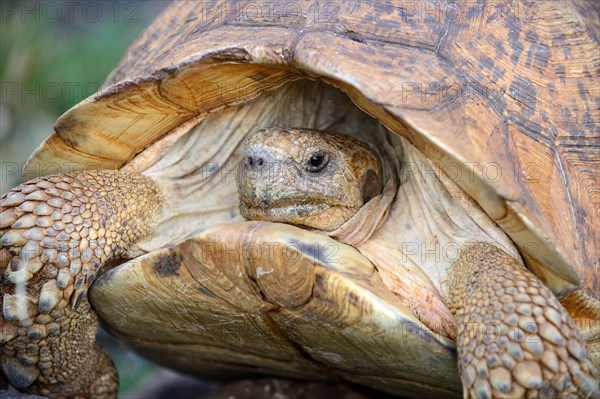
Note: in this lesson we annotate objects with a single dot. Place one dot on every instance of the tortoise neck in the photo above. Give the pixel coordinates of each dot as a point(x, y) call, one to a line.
point(361, 226)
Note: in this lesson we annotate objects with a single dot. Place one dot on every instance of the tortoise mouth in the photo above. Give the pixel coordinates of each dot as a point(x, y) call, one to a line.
point(318, 215)
point(283, 210)
point(295, 201)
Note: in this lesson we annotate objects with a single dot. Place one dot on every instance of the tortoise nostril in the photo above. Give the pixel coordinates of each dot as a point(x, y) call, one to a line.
point(254, 161)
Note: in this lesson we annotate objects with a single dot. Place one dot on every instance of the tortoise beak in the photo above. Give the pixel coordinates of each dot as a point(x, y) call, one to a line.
point(255, 178)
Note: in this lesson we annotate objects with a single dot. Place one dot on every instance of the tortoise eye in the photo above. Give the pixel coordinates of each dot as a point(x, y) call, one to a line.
point(317, 162)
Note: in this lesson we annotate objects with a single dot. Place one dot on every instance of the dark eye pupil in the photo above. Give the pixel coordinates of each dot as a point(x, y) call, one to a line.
point(316, 160)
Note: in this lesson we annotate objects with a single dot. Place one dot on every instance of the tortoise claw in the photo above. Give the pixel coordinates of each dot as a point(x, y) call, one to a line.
point(20, 376)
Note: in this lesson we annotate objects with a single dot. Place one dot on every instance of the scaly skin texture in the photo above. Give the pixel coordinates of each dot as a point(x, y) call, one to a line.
point(56, 232)
point(514, 340)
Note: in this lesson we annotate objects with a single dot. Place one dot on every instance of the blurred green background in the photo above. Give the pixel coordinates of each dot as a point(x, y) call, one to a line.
point(53, 54)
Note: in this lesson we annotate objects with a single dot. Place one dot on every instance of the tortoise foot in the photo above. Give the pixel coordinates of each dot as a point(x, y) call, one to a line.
point(67, 365)
point(515, 339)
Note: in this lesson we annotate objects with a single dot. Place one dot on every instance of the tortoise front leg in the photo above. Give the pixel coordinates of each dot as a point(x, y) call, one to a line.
point(56, 233)
point(514, 339)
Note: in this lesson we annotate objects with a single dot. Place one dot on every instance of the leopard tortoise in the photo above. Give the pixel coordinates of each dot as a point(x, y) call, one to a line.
point(421, 180)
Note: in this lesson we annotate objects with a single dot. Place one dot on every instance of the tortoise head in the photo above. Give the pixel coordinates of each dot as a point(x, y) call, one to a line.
point(306, 177)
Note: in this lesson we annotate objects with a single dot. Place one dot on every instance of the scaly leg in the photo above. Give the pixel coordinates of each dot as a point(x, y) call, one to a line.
point(515, 339)
point(56, 232)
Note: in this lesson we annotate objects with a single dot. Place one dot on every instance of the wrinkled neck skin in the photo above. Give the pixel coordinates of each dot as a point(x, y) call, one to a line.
point(373, 214)
point(429, 220)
